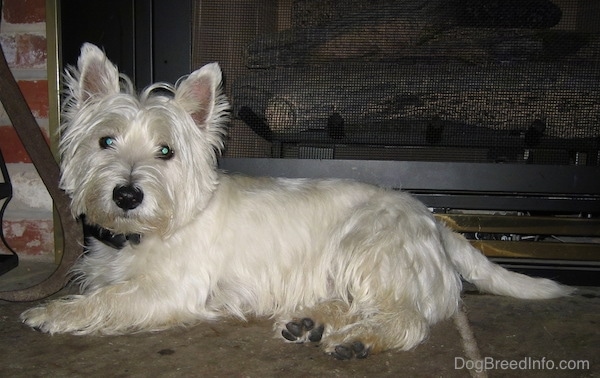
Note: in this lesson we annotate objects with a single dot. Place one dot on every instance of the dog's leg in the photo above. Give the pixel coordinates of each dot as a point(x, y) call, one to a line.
point(115, 309)
point(346, 331)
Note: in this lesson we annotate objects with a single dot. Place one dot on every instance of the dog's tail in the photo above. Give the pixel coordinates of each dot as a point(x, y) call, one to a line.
point(492, 278)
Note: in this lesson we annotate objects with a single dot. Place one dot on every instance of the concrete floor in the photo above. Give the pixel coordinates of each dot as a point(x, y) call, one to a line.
point(541, 333)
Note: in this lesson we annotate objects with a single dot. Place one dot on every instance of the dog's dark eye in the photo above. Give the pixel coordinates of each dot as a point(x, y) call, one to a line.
point(107, 142)
point(165, 152)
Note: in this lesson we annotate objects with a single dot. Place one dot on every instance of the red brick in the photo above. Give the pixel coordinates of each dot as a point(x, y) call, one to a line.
point(11, 146)
point(36, 95)
point(24, 50)
point(9, 47)
point(24, 11)
point(31, 51)
point(29, 237)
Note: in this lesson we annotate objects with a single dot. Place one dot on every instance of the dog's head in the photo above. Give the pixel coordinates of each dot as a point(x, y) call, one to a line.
point(140, 164)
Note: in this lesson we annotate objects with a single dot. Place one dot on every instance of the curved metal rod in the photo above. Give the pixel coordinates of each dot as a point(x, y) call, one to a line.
point(35, 144)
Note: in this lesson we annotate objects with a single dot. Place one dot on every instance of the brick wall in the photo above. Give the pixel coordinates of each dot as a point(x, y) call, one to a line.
point(27, 223)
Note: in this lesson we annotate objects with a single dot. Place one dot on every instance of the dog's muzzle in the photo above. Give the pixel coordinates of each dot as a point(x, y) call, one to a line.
point(127, 197)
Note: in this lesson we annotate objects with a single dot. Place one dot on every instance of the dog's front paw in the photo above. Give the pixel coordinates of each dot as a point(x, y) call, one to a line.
point(54, 317)
point(37, 318)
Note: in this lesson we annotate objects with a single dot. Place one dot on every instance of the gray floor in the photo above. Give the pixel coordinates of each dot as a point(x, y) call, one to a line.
point(533, 335)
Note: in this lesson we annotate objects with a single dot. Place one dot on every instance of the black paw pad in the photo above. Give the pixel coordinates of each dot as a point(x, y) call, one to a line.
point(297, 329)
point(288, 336)
point(346, 352)
point(359, 349)
point(316, 334)
point(343, 352)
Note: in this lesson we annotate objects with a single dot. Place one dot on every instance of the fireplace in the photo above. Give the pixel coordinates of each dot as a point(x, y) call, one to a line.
point(488, 111)
point(463, 81)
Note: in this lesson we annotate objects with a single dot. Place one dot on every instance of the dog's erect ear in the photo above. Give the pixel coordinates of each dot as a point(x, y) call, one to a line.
point(97, 75)
point(199, 93)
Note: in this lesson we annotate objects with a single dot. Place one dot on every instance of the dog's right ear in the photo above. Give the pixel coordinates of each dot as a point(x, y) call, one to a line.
point(97, 75)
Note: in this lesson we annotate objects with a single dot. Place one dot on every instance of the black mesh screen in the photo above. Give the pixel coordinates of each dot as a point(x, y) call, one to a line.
point(478, 80)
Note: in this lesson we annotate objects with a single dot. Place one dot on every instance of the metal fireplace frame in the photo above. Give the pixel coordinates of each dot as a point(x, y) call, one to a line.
point(450, 185)
point(545, 194)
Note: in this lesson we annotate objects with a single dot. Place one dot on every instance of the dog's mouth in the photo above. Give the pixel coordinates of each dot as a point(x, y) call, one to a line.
point(116, 221)
point(126, 211)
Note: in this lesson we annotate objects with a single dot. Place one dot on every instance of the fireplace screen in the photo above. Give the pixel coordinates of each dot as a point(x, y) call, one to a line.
point(513, 81)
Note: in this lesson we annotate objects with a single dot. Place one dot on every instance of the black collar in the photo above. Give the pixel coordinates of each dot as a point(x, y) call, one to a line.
point(117, 241)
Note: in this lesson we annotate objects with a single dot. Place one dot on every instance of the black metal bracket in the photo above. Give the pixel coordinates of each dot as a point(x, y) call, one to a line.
point(7, 261)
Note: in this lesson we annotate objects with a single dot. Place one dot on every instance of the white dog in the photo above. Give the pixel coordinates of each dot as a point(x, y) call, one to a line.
point(355, 267)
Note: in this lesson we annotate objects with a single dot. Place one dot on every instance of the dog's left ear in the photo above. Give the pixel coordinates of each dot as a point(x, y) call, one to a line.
point(200, 93)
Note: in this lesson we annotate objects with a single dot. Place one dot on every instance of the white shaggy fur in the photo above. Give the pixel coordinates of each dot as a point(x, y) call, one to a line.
point(357, 268)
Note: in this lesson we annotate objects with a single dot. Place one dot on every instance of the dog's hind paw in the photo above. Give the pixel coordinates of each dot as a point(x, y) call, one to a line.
point(348, 351)
point(302, 330)
point(343, 344)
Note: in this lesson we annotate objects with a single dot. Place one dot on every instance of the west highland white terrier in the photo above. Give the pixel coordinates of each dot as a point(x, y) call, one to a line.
point(354, 267)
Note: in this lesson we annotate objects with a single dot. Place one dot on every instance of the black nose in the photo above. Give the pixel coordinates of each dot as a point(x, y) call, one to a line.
point(127, 197)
